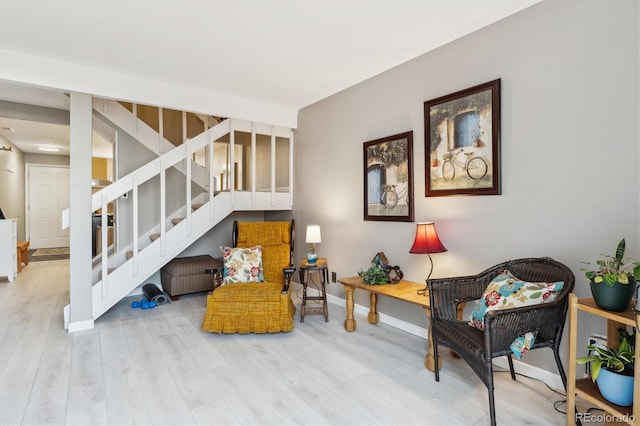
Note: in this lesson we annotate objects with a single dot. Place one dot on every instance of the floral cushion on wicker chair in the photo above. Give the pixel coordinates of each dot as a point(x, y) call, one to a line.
point(506, 291)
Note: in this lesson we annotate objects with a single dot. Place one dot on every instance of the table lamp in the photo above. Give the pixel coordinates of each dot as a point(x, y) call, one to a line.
point(313, 237)
point(427, 242)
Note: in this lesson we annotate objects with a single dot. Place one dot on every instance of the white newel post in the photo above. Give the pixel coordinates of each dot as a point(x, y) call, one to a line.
point(80, 291)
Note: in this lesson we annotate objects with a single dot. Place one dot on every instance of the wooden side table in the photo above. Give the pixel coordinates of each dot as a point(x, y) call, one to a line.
point(322, 270)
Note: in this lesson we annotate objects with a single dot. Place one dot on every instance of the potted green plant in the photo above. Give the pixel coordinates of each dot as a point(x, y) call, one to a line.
point(612, 370)
point(613, 282)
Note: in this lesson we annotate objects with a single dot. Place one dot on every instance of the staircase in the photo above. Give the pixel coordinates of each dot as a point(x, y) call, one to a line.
point(118, 273)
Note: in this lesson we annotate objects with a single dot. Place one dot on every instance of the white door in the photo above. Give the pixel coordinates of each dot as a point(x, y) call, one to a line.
point(48, 197)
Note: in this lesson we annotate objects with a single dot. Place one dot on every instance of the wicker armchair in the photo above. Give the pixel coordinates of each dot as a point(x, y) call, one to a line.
point(478, 348)
point(260, 307)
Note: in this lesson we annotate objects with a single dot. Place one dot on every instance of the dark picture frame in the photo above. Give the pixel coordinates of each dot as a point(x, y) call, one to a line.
point(388, 178)
point(462, 142)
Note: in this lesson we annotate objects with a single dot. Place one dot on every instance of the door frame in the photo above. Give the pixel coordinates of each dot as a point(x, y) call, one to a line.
point(27, 199)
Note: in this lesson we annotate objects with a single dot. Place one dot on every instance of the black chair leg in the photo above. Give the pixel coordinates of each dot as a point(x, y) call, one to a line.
point(435, 362)
point(563, 375)
point(513, 372)
point(492, 405)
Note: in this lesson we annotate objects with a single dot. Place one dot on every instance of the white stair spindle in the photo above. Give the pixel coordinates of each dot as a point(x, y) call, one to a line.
point(212, 187)
point(134, 118)
point(232, 144)
point(136, 224)
point(184, 128)
point(163, 213)
point(253, 164)
point(188, 188)
point(291, 167)
point(273, 166)
point(104, 246)
point(160, 131)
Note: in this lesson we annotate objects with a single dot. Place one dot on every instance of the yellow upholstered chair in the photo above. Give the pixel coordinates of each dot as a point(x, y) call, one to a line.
point(256, 307)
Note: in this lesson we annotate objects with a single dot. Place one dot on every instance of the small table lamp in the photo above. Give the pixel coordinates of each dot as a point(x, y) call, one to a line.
point(313, 237)
point(427, 242)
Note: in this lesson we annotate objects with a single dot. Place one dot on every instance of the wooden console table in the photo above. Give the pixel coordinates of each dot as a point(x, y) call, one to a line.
point(404, 290)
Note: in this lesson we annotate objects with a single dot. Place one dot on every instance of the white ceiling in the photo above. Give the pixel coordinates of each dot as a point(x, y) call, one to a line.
point(284, 53)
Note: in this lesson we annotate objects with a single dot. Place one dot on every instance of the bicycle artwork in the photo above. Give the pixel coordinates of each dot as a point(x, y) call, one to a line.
point(462, 142)
point(390, 196)
point(388, 180)
point(475, 167)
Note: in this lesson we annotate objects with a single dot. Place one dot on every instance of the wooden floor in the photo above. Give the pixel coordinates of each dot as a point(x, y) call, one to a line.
point(157, 367)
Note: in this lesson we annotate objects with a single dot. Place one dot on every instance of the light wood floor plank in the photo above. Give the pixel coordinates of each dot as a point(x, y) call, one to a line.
point(48, 399)
point(87, 401)
point(126, 403)
point(166, 405)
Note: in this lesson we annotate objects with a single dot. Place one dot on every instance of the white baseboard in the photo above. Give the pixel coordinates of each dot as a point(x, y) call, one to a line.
point(551, 379)
point(80, 326)
point(72, 327)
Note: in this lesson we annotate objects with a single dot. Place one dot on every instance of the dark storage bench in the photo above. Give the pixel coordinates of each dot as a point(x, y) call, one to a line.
point(184, 275)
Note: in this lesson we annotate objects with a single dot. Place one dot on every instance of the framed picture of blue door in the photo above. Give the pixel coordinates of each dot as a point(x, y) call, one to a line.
point(462, 142)
point(388, 178)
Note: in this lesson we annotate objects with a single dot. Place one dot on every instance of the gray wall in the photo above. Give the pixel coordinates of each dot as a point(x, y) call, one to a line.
point(570, 151)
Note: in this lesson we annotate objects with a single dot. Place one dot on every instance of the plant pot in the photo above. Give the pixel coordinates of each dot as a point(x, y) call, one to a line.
point(615, 387)
point(613, 298)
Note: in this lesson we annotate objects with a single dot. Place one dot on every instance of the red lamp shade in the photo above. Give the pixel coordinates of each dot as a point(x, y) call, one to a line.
point(427, 240)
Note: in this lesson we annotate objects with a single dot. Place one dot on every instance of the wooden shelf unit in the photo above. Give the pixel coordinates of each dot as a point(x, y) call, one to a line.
point(584, 387)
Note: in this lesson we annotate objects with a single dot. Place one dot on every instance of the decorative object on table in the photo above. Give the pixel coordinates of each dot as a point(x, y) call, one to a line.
point(388, 178)
point(463, 130)
point(380, 272)
point(613, 282)
point(427, 242)
point(394, 274)
point(374, 275)
point(380, 259)
point(313, 236)
point(612, 370)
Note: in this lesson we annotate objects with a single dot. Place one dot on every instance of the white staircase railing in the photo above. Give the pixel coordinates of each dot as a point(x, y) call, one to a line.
point(118, 276)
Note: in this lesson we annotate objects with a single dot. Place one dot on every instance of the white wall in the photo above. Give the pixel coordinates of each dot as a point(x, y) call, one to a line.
point(570, 151)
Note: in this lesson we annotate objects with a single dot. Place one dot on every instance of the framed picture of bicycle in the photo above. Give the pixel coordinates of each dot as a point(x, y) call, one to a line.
point(462, 142)
point(388, 178)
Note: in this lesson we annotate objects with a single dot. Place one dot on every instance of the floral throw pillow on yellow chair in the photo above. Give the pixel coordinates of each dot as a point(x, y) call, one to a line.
point(242, 265)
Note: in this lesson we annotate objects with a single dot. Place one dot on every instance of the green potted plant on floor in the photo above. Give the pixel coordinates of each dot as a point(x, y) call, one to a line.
point(612, 370)
point(613, 282)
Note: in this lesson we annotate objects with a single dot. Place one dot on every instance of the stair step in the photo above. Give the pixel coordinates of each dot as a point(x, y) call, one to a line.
point(154, 237)
point(196, 206)
point(177, 220)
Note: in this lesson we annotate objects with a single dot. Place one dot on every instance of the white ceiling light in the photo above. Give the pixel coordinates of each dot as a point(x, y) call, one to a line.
point(48, 148)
